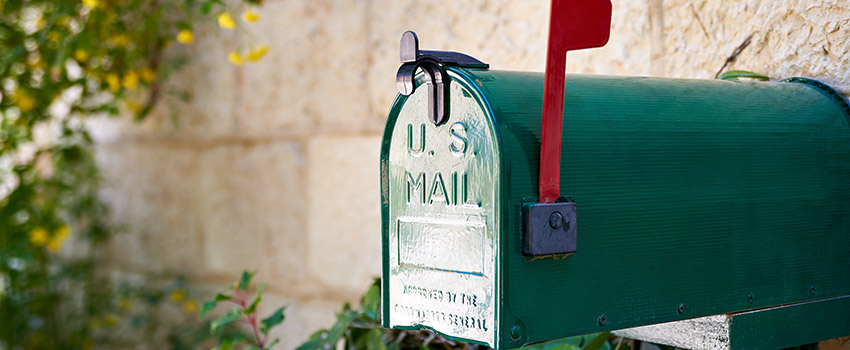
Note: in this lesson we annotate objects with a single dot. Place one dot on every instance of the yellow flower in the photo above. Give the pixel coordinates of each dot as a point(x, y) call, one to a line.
point(55, 245)
point(91, 3)
point(131, 80)
point(24, 102)
point(124, 304)
point(95, 324)
point(185, 37)
point(36, 64)
point(53, 36)
point(190, 306)
point(113, 81)
point(225, 20)
point(64, 21)
point(110, 320)
point(119, 40)
point(134, 106)
point(177, 296)
point(250, 16)
point(257, 53)
point(38, 236)
point(235, 58)
point(81, 55)
point(147, 75)
point(58, 239)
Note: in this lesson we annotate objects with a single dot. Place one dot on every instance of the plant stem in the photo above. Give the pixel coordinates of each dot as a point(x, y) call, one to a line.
point(242, 300)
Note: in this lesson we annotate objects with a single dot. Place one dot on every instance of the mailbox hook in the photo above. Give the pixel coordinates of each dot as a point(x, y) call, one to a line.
point(431, 62)
point(438, 100)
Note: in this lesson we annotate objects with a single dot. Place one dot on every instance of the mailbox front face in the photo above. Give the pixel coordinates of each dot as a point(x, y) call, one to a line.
point(440, 220)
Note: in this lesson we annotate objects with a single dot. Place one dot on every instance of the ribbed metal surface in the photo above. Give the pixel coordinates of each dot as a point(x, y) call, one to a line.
point(715, 196)
point(689, 192)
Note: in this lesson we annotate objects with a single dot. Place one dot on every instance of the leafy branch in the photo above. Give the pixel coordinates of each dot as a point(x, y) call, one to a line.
point(246, 313)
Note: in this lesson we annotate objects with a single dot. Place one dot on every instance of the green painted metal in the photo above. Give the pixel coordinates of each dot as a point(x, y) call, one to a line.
point(690, 192)
point(790, 325)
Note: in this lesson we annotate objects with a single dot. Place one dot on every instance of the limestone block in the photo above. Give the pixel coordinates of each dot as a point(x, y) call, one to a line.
point(344, 215)
point(149, 188)
point(253, 207)
point(275, 94)
point(790, 38)
point(339, 65)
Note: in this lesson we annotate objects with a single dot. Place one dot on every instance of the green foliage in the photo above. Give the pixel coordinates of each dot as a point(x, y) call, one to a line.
point(361, 329)
point(274, 319)
point(245, 280)
point(62, 61)
point(737, 74)
point(246, 313)
point(582, 342)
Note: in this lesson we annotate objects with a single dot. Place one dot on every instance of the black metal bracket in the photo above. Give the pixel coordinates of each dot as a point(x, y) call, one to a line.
point(549, 228)
point(431, 62)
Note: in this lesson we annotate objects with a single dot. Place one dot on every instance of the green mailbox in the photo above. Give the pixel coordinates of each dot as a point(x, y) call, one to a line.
point(684, 198)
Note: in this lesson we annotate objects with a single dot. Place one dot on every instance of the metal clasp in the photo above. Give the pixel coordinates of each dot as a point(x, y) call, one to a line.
point(431, 62)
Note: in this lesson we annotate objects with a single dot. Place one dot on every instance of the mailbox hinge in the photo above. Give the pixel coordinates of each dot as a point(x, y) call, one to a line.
point(431, 62)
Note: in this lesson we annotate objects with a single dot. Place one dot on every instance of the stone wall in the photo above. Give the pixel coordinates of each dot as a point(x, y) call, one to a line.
point(273, 166)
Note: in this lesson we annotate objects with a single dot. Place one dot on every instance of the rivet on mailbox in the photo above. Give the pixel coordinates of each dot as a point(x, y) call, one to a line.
point(689, 192)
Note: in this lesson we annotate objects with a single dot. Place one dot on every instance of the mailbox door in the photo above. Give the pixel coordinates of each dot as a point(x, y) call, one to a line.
point(440, 217)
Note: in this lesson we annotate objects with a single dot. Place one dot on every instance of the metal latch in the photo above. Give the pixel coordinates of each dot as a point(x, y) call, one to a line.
point(431, 62)
point(549, 228)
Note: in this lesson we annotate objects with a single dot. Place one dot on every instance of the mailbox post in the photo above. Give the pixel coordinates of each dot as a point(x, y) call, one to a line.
point(692, 198)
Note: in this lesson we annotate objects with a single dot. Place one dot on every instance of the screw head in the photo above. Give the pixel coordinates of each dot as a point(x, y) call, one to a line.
point(750, 298)
point(681, 308)
point(516, 332)
point(556, 220)
point(602, 320)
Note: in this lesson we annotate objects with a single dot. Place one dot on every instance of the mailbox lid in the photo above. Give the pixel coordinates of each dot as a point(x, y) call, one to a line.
point(441, 218)
point(691, 195)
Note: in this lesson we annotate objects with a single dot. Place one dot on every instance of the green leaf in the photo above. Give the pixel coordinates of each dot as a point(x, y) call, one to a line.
point(315, 341)
point(566, 347)
point(207, 307)
point(210, 305)
point(246, 280)
point(273, 320)
point(225, 319)
point(228, 344)
point(371, 302)
point(597, 342)
point(336, 332)
point(206, 7)
point(313, 344)
point(257, 300)
point(374, 340)
point(735, 74)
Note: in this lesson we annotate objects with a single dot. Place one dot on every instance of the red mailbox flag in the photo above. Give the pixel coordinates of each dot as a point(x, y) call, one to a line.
point(573, 25)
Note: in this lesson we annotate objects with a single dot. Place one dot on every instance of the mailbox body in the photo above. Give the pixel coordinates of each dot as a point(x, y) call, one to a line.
point(693, 197)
